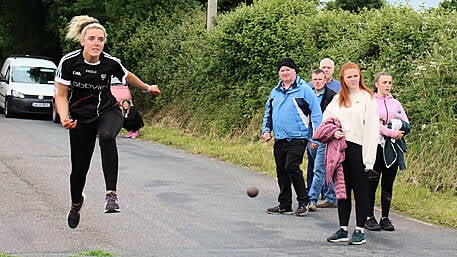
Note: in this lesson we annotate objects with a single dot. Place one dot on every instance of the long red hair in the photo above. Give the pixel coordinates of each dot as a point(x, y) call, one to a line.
point(344, 99)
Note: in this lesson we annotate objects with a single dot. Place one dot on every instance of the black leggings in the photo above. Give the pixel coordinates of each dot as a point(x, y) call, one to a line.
point(82, 144)
point(387, 183)
point(356, 179)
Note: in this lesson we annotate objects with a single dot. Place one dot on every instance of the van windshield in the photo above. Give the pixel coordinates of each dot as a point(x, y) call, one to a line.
point(36, 75)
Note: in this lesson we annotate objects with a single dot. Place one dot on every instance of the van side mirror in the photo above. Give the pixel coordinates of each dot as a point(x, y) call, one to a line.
point(3, 78)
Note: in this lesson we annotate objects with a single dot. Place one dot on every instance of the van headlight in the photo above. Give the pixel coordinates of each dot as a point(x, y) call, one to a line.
point(17, 94)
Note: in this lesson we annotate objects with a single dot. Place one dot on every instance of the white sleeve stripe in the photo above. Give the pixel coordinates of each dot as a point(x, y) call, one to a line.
point(62, 81)
point(303, 117)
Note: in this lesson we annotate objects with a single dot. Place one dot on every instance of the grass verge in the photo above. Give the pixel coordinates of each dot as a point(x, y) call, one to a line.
point(411, 200)
point(93, 253)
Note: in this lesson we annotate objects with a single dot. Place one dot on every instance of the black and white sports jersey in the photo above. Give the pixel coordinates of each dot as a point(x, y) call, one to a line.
point(89, 84)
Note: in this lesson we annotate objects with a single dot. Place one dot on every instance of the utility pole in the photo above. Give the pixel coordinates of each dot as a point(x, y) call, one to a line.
point(212, 13)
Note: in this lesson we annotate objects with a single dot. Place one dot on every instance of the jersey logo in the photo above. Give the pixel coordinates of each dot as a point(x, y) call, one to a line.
point(77, 73)
point(91, 71)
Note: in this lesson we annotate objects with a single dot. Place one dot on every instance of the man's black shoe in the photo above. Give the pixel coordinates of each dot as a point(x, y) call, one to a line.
point(303, 209)
point(279, 210)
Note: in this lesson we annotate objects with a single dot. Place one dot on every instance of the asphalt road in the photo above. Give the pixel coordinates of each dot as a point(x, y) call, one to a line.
point(172, 204)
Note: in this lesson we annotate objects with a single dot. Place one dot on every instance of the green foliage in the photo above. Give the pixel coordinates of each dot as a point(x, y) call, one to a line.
point(448, 4)
point(244, 48)
point(423, 204)
point(125, 17)
point(6, 255)
point(355, 6)
point(227, 5)
point(94, 253)
point(23, 29)
point(61, 12)
point(215, 83)
point(115, 15)
point(165, 53)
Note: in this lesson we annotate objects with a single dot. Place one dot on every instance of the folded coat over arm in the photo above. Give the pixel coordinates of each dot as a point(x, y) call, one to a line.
point(335, 154)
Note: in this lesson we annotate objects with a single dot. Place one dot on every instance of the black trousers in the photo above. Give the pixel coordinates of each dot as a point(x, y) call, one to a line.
point(82, 144)
point(387, 177)
point(288, 157)
point(356, 180)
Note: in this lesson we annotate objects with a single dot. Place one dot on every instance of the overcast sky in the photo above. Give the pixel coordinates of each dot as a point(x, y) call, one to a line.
point(417, 3)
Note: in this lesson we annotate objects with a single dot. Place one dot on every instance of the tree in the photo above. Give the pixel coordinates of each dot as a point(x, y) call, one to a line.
point(227, 5)
point(449, 5)
point(24, 29)
point(115, 15)
point(355, 6)
point(60, 13)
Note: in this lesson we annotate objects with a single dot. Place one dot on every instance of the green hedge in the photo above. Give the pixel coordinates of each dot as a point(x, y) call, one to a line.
point(215, 83)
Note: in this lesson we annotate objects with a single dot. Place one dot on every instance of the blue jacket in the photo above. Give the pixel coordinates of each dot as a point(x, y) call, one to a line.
point(294, 113)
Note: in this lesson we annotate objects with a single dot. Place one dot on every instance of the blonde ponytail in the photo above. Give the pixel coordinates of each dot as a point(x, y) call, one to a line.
point(78, 26)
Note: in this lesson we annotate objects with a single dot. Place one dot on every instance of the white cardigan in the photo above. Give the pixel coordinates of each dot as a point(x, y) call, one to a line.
point(360, 123)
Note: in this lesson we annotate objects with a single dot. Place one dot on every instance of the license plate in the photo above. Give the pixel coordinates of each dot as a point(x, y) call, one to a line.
point(41, 105)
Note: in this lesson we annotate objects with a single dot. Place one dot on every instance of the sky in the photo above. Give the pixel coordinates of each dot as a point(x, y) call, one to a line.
point(417, 3)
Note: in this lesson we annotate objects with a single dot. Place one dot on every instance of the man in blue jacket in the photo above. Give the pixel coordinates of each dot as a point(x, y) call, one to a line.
point(292, 113)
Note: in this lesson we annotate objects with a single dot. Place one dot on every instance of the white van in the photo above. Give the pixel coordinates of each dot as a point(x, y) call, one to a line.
point(27, 85)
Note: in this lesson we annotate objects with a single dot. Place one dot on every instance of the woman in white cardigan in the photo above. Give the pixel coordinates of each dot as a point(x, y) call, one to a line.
point(357, 111)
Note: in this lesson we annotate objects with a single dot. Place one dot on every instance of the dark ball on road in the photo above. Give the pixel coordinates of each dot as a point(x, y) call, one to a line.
point(252, 191)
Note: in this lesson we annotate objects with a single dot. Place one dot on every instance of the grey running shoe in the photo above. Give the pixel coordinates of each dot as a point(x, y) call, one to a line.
point(303, 208)
point(279, 210)
point(358, 238)
point(73, 215)
point(372, 224)
point(112, 205)
point(340, 236)
point(386, 224)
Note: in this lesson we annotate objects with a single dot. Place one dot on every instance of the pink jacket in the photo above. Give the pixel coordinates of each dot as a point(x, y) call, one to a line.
point(389, 108)
point(334, 155)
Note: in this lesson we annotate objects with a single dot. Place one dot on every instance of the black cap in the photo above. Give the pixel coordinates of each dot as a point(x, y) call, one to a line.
point(289, 62)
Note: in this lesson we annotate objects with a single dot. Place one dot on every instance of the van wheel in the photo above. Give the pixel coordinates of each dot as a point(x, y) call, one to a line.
point(6, 110)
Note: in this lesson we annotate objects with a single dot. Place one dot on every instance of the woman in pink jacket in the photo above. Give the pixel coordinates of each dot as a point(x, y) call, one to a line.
point(391, 112)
